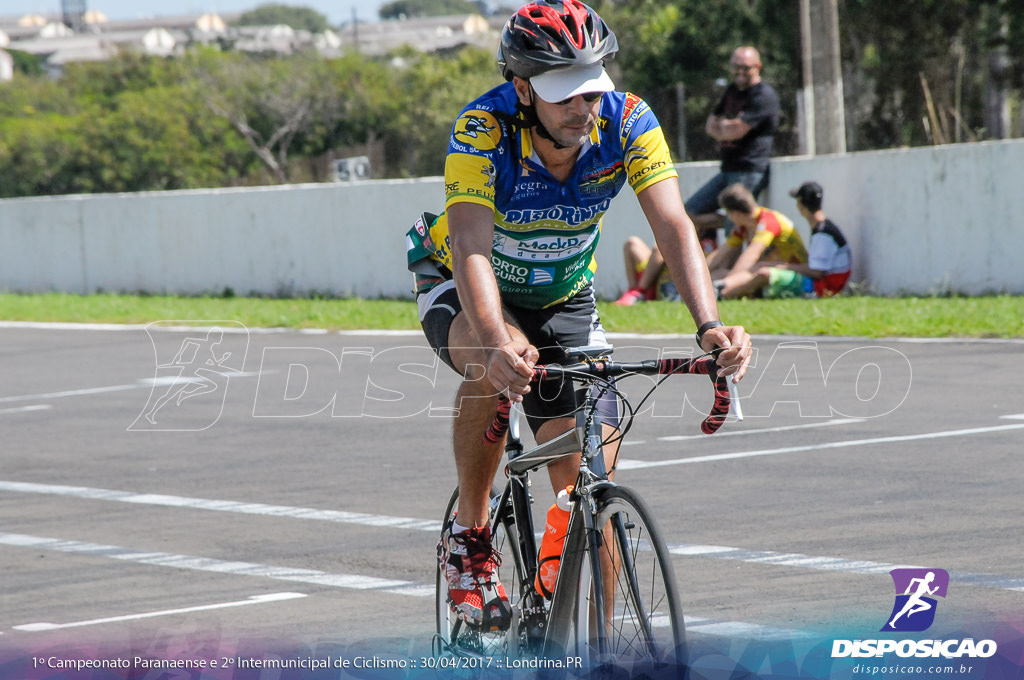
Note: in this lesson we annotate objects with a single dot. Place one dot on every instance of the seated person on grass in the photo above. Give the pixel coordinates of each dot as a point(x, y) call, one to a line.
point(646, 274)
point(774, 251)
point(828, 266)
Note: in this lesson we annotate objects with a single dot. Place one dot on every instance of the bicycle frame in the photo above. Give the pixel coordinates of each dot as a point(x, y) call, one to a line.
point(579, 604)
point(586, 438)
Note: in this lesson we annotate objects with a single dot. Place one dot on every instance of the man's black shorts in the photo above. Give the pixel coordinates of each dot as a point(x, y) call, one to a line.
point(573, 323)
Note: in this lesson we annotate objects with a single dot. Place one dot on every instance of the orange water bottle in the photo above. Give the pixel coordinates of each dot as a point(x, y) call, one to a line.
point(551, 544)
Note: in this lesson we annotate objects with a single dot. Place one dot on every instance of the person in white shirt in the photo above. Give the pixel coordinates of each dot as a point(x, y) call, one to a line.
point(829, 260)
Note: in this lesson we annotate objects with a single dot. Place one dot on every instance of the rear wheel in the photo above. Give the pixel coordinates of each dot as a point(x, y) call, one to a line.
point(454, 636)
point(640, 623)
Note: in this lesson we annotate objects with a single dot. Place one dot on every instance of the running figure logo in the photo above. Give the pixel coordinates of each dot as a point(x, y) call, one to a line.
point(192, 374)
point(914, 609)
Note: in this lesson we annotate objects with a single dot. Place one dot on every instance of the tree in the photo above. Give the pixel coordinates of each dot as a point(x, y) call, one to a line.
point(270, 102)
point(161, 138)
point(920, 68)
point(399, 9)
point(665, 42)
point(434, 90)
point(271, 14)
point(26, 63)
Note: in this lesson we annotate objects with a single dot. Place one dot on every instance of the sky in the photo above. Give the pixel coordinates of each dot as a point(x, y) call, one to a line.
point(336, 11)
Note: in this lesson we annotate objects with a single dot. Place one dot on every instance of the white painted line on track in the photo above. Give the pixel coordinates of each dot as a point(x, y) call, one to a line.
point(638, 465)
point(208, 564)
point(141, 384)
point(688, 337)
point(73, 393)
point(1016, 416)
point(741, 630)
point(734, 433)
point(721, 552)
point(686, 550)
point(700, 625)
point(763, 430)
point(731, 629)
point(26, 409)
point(360, 518)
point(199, 326)
point(255, 599)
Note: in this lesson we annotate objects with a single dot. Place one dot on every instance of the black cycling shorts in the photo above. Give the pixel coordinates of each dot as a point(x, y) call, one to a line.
point(573, 323)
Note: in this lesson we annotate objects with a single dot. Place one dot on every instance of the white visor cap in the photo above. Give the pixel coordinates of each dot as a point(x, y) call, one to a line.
point(560, 84)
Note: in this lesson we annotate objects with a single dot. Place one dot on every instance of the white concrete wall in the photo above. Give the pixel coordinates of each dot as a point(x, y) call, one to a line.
point(925, 221)
point(921, 221)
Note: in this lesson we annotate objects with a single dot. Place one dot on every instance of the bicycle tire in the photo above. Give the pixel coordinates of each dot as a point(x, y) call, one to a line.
point(454, 636)
point(645, 629)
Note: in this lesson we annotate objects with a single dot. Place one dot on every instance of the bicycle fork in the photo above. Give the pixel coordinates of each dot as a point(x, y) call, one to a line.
point(576, 599)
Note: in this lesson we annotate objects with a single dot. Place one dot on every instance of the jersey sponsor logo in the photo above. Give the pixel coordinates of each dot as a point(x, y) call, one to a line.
point(479, 129)
point(601, 179)
point(443, 250)
point(635, 154)
point(633, 109)
point(646, 170)
point(568, 215)
point(509, 271)
point(451, 187)
point(524, 190)
point(490, 173)
point(627, 107)
point(542, 276)
point(543, 248)
point(421, 227)
point(576, 266)
point(580, 284)
point(639, 155)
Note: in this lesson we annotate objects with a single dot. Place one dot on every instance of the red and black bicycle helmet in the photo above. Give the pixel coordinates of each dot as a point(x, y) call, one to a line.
point(550, 34)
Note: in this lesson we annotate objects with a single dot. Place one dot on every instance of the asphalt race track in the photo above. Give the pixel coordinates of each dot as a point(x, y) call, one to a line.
point(194, 489)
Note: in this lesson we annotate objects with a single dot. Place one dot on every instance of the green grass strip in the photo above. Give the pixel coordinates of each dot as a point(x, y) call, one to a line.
point(862, 316)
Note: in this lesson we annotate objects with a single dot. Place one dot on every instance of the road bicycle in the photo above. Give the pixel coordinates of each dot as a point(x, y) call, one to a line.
point(615, 600)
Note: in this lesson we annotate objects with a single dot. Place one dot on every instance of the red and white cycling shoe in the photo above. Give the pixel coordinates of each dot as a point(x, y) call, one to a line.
point(470, 564)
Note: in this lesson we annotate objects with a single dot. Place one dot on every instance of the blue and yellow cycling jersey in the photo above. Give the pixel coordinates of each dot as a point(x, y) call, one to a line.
point(545, 231)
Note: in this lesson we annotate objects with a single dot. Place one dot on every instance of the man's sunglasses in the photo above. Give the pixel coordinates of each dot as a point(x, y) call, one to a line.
point(588, 97)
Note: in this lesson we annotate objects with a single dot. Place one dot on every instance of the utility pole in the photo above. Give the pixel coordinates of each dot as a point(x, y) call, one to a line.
point(681, 122)
point(806, 106)
point(355, 30)
point(74, 14)
point(825, 118)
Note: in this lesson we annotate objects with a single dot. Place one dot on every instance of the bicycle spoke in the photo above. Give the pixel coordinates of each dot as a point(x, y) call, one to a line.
point(643, 625)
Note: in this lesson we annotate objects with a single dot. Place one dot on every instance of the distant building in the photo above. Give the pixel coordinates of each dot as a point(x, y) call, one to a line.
point(6, 67)
point(427, 34)
point(93, 16)
point(46, 35)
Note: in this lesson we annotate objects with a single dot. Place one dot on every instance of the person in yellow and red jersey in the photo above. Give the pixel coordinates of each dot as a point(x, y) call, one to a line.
point(504, 277)
point(773, 248)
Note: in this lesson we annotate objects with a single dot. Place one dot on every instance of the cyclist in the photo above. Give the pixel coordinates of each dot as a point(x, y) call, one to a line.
point(504, 276)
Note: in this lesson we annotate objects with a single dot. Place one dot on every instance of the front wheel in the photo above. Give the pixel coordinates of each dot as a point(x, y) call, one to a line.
point(638, 623)
point(454, 636)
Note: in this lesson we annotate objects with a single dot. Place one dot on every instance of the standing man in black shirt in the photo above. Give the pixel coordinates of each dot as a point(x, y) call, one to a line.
point(744, 123)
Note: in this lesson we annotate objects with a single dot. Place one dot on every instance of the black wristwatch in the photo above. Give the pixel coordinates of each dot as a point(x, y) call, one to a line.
point(704, 328)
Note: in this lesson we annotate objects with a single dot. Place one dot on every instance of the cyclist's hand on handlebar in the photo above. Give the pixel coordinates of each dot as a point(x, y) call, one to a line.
point(735, 356)
point(510, 368)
